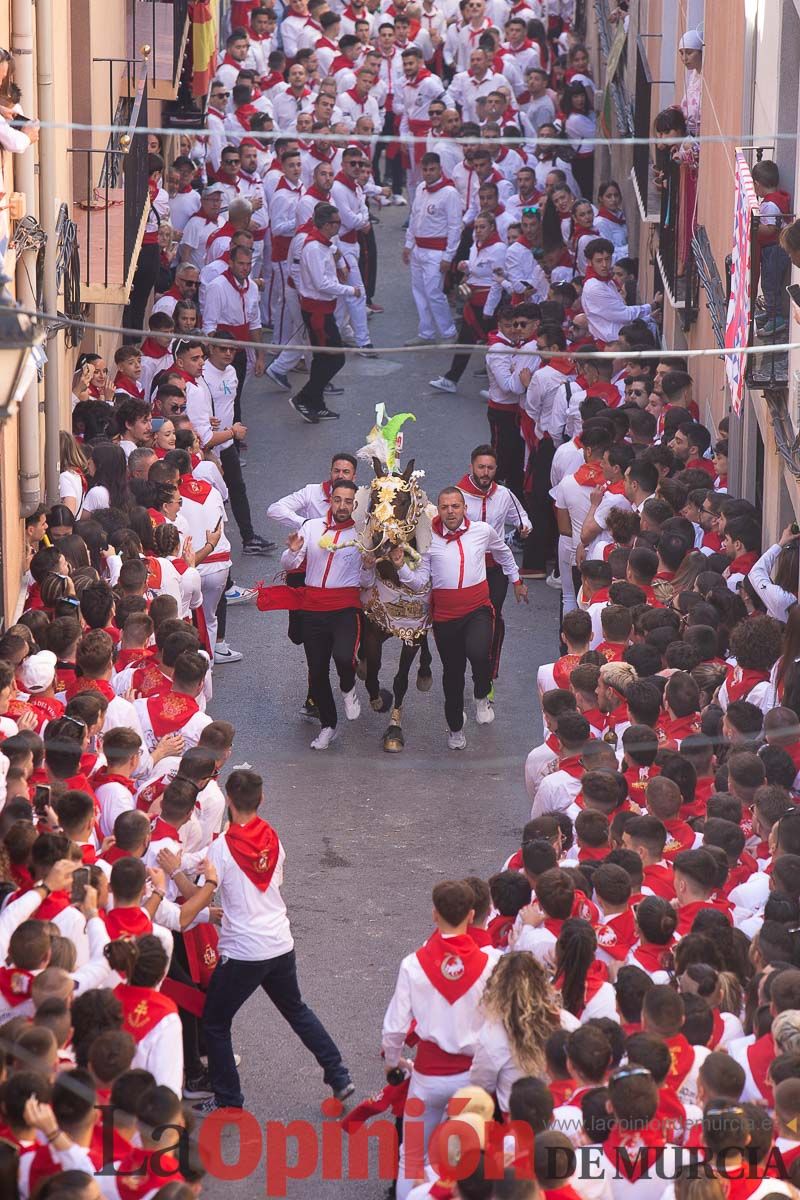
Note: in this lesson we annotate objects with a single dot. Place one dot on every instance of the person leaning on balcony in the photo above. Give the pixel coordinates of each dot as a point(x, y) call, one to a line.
point(15, 140)
point(146, 273)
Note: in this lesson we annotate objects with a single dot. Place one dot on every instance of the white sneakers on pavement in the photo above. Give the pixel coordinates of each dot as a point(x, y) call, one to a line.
point(352, 705)
point(456, 739)
point(484, 711)
point(442, 384)
point(224, 654)
point(324, 738)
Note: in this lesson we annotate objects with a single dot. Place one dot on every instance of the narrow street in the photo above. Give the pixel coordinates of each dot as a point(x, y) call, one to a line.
point(367, 834)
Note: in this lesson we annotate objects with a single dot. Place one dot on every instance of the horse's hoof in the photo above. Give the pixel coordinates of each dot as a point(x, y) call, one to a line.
point(424, 681)
point(383, 703)
point(393, 740)
point(361, 668)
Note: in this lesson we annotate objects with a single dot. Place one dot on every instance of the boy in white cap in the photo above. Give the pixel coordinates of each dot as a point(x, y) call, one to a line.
point(37, 676)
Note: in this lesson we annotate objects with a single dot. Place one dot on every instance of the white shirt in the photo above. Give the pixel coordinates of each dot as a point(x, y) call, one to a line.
point(436, 213)
point(546, 401)
point(499, 507)
point(556, 793)
point(465, 90)
point(196, 232)
point(255, 924)
point(461, 562)
point(212, 395)
point(453, 1027)
point(318, 278)
point(326, 568)
point(311, 501)
point(182, 206)
point(229, 307)
point(606, 311)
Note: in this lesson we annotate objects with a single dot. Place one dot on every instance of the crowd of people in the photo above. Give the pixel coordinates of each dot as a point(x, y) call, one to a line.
point(620, 1031)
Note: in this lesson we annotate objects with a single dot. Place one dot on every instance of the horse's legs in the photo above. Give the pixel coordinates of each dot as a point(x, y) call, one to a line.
point(400, 681)
point(372, 642)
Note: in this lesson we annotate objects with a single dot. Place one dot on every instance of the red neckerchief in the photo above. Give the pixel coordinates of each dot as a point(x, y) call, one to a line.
point(15, 985)
point(136, 1177)
point(740, 681)
point(561, 363)
point(52, 905)
point(760, 1055)
point(481, 937)
point(590, 474)
point(585, 908)
point(670, 1115)
point(652, 957)
point(499, 928)
point(659, 878)
point(449, 535)
point(617, 218)
point(617, 935)
point(316, 194)
point(563, 667)
point(562, 1091)
point(572, 766)
point(82, 684)
point(255, 848)
point(160, 830)
point(596, 976)
point(418, 78)
point(593, 853)
point(740, 873)
point(316, 235)
point(742, 564)
point(114, 854)
point(592, 274)
point(151, 348)
point(637, 779)
point(104, 776)
point(674, 729)
point(127, 922)
point(492, 240)
point(169, 712)
point(601, 596)
point(49, 708)
point(194, 489)
point(633, 1153)
point(608, 392)
point(688, 912)
point(680, 836)
point(150, 680)
point(135, 655)
point(430, 188)
point(682, 1056)
point(330, 524)
point(612, 651)
point(451, 964)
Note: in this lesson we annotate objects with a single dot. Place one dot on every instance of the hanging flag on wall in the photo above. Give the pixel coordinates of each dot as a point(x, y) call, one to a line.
point(203, 14)
point(737, 331)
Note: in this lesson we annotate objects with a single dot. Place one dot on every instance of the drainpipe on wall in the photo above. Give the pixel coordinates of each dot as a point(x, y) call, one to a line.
point(47, 217)
point(30, 482)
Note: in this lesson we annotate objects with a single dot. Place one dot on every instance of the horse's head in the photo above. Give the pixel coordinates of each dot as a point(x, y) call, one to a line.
point(393, 506)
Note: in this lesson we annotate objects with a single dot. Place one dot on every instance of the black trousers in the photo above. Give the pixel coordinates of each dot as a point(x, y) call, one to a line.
point(465, 639)
point(583, 170)
point(322, 331)
point(368, 260)
point(144, 280)
point(372, 645)
point(540, 545)
point(509, 447)
point(232, 984)
point(326, 636)
point(240, 367)
point(394, 166)
point(498, 590)
point(466, 337)
point(234, 481)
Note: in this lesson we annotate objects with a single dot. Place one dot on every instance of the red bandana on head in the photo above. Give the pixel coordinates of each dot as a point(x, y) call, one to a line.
point(255, 849)
point(451, 964)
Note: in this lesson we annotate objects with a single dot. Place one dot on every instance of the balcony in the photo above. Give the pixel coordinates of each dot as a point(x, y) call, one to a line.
point(164, 26)
point(111, 194)
point(674, 257)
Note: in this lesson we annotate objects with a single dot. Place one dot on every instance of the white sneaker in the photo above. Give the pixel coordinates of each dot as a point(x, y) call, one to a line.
point(553, 581)
point(484, 711)
point(324, 738)
point(456, 739)
point(224, 654)
point(352, 705)
point(398, 201)
point(442, 384)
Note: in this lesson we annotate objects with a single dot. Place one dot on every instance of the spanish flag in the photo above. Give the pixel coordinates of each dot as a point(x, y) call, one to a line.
point(203, 14)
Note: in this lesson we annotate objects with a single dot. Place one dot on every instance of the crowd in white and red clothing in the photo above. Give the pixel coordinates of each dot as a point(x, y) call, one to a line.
point(625, 989)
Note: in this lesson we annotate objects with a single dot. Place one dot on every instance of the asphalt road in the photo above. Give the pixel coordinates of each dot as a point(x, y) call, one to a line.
point(367, 834)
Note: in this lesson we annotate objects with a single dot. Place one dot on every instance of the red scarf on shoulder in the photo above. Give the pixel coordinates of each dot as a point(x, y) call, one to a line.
point(451, 964)
point(255, 847)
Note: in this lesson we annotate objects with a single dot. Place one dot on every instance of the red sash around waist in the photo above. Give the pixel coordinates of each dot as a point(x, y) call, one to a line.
point(431, 243)
point(307, 599)
point(448, 604)
point(432, 1060)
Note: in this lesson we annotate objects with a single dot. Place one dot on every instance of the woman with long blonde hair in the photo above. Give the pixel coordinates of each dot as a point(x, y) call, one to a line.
point(73, 480)
point(522, 1009)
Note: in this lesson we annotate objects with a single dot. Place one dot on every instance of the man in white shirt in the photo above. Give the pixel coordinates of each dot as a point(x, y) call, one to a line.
point(573, 499)
point(256, 947)
point(470, 85)
point(431, 242)
point(348, 196)
point(209, 406)
point(320, 288)
point(232, 308)
point(461, 606)
point(601, 300)
point(199, 228)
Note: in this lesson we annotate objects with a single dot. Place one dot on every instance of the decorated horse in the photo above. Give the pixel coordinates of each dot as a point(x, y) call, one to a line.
point(393, 514)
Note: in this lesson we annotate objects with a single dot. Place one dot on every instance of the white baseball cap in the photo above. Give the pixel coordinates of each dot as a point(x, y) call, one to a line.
point(37, 671)
point(691, 40)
